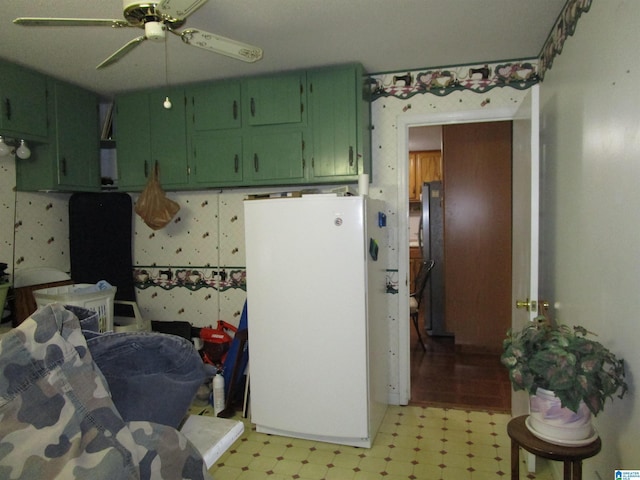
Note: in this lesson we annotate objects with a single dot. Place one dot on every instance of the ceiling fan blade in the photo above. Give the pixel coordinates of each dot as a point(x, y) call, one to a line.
point(69, 22)
point(222, 45)
point(122, 52)
point(179, 9)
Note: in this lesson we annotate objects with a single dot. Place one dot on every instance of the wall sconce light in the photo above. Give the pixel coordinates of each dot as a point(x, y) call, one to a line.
point(7, 148)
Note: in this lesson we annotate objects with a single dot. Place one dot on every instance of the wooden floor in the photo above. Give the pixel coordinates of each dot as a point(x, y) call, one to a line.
point(441, 377)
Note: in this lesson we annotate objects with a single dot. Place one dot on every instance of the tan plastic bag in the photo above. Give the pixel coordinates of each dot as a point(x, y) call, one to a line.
point(153, 206)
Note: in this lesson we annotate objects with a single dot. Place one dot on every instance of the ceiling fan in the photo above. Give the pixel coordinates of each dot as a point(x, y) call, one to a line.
point(156, 18)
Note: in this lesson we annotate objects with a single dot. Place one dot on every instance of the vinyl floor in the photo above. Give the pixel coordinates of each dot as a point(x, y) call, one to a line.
point(453, 429)
point(413, 443)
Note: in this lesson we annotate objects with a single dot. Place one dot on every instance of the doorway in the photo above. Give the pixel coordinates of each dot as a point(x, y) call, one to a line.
point(467, 304)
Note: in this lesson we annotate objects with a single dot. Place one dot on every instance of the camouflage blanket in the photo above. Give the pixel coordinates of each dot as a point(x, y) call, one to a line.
point(57, 419)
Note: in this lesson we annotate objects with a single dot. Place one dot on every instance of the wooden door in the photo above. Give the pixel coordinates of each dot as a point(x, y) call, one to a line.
point(477, 176)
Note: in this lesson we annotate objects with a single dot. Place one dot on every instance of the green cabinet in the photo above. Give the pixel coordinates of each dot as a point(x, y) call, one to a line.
point(304, 127)
point(275, 100)
point(216, 160)
point(274, 157)
point(339, 117)
point(148, 134)
point(133, 140)
point(23, 103)
point(214, 106)
point(70, 158)
point(214, 119)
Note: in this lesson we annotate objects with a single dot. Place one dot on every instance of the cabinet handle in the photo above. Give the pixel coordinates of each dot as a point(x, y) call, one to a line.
point(351, 156)
point(236, 163)
point(253, 107)
point(235, 110)
point(146, 169)
point(256, 162)
point(63, 167)
point(7, 103)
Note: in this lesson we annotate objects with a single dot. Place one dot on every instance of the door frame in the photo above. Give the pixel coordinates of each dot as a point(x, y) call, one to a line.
point(403, 123)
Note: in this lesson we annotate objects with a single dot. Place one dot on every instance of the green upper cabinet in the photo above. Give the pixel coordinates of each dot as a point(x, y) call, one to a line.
point(295, 128)
point(23, 103)
point(339, 119)
point(77, 138)
point(70, 159)
point(133, 141)
point(274, 157)
point(214, 119)
point(214, 106)
point(169, 137)
point(275, 100)
point(216, 159)
point(146, 134)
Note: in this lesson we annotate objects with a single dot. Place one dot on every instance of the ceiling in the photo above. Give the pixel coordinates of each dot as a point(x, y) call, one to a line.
point(384, 35)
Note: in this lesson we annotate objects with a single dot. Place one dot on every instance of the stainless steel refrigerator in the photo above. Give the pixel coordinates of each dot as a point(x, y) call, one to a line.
point(431, 237)
point(317, 317)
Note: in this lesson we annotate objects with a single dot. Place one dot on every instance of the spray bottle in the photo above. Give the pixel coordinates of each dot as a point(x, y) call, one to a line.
point(218, 393)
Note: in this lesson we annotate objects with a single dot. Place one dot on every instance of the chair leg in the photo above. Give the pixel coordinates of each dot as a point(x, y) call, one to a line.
point(414, 319)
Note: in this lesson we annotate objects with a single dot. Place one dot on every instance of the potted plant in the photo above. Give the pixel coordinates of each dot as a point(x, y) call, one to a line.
point(568, 375)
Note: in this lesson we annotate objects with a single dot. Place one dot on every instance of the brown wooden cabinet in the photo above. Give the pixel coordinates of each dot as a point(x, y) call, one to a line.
point(424, 166)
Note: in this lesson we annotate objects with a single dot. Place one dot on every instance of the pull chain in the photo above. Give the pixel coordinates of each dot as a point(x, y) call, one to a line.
point(167, 102)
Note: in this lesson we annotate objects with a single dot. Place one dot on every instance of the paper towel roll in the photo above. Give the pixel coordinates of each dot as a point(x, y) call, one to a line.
point(363, 184)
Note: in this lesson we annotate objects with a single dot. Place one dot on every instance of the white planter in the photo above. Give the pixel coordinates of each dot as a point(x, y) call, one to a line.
point(552, 422)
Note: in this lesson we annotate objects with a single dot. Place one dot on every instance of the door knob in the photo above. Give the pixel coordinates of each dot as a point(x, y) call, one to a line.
point(528, 305)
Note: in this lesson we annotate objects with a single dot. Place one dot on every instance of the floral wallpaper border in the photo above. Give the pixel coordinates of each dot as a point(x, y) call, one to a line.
point(191, 277)
point(482, 78)
point(442, 82)
point(564, 27)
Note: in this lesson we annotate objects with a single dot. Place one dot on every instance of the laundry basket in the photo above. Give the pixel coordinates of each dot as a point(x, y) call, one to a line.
point(100, 301)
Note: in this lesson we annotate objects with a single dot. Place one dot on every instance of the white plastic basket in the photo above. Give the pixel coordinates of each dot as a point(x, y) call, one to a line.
point(100, 301)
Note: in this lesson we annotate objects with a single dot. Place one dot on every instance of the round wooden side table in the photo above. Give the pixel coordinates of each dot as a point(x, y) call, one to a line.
point(571, 456)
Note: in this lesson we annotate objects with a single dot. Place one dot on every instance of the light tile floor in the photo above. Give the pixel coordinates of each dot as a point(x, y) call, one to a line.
point(413, 443)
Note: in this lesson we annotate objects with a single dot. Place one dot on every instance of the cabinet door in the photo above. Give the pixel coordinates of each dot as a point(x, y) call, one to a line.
point(23, 102)
point(77, 138)
point(217, 160)
point(274, 158)
point(70, 159)
point(333, 102)
point(215, 106)
point(133, 141)
point(169, 137)
point(275, 100)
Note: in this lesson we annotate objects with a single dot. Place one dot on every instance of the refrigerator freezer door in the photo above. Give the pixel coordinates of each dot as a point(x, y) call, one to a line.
point(306, 284)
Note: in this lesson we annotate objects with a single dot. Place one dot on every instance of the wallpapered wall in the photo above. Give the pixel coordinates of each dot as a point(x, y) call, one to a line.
point(193, 269)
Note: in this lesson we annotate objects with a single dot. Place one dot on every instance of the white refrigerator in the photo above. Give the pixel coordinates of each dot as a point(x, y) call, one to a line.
point(317, 316)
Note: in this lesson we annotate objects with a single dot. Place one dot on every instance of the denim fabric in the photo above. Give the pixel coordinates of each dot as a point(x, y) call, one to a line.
point(58, 420)
point(152, 376)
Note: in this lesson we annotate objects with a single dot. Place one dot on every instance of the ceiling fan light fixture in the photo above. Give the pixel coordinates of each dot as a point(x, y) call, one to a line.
point(156, 17)
point(154, 31)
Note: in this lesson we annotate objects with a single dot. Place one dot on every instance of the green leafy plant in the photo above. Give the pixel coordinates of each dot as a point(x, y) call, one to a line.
point(563, 360)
